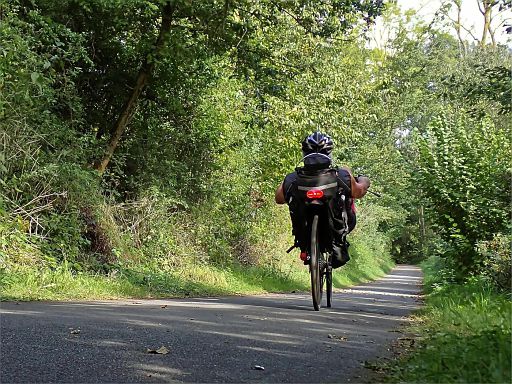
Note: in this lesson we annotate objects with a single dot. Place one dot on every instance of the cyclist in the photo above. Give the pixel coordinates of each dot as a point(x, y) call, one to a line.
point(317, 149)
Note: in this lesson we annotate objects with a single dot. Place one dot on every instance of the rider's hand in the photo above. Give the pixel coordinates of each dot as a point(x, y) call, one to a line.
point(365, 180)
point(363, 183)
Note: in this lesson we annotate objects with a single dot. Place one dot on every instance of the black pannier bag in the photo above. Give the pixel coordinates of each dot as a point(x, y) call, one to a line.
point(336, 188)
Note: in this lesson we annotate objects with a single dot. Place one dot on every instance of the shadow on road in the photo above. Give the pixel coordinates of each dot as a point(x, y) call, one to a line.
point(209, 339)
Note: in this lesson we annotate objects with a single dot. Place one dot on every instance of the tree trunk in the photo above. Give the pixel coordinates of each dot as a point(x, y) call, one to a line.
point(486, 28)
point(491, 31)
point(458, 27)
point(485, 10)
point(493, 40)
point(143, 76)
point(421, 222)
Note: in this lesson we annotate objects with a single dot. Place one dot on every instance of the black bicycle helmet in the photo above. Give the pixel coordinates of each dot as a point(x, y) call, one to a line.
point(317, 142)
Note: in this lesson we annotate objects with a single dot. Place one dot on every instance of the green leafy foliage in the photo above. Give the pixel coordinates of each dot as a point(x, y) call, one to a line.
point(230, 96)
point(193, 178)
point(464, 167)
point(453, 133)
point(497, 260)
point(465, 334)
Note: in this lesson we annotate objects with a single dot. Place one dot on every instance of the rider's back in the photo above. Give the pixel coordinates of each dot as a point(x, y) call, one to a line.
point(335, 185)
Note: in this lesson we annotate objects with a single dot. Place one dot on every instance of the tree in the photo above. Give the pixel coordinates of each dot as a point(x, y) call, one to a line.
point(491, 10)
point(216, 25)
point(141, 82)
point(494, 13)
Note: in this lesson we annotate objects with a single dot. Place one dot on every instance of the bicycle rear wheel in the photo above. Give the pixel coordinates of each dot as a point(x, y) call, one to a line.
point(314, 266)
point(328, 285)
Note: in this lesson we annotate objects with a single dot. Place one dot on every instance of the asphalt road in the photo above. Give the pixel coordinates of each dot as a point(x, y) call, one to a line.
point(209, 340)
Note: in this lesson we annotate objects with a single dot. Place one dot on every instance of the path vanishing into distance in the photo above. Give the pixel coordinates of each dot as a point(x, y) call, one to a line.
point(274, 338)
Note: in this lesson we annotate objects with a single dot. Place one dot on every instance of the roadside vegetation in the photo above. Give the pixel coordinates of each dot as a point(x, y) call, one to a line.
point(464, 333)
point(181, 202)
point(146, 278)
point(141, 143)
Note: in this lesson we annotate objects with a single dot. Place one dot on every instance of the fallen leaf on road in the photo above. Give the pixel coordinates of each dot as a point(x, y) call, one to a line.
point(160, 351)
point(340, 338)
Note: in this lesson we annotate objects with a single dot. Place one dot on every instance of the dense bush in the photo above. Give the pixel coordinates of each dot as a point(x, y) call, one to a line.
point(463, 170)
point(497, 260)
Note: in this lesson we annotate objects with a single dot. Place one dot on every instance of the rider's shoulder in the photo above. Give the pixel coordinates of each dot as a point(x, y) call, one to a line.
point(291, 177)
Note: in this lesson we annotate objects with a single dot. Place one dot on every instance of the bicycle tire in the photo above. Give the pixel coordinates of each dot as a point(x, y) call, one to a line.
point(328, 286)
point(314, 266)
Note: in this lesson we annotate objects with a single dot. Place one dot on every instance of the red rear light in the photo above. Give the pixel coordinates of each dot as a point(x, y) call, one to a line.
point(315, 194)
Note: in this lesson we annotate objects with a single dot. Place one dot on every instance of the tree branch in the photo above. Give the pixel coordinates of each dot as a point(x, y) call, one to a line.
point(480, 8)
point(141, 81)
point(463, 27)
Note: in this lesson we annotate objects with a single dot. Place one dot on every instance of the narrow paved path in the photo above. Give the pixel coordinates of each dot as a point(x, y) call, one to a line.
point(209, 339)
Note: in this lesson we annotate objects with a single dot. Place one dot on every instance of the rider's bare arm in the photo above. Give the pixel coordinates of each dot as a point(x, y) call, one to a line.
point(360, 187)
point(280, 195)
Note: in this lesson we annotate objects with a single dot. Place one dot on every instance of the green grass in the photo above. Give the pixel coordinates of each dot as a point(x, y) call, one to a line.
point(465, 335)
point(180, 267)
point(174, 256)
point(144, 281)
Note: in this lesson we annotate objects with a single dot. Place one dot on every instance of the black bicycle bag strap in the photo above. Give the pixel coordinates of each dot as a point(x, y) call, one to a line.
point(344, 182)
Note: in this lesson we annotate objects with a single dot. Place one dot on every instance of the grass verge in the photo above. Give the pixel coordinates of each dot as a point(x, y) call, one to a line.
point(465, 335)
point(145, 281)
